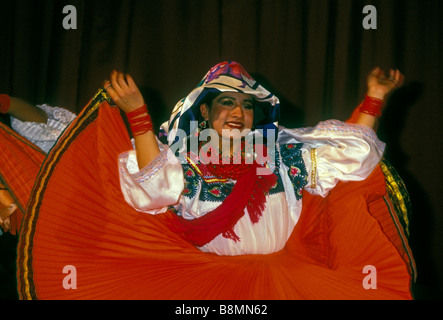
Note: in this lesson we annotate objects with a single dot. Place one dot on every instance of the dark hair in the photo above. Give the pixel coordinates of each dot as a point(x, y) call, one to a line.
point(209, 97)
point(206, 97)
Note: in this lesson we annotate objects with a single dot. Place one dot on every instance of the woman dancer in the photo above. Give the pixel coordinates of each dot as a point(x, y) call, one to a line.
point(200, 229)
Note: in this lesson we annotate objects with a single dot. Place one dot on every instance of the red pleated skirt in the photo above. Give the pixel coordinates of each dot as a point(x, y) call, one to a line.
point(81, 240)
point(19, 167)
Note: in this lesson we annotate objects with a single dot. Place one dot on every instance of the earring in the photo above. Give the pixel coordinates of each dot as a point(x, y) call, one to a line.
point(203, 125)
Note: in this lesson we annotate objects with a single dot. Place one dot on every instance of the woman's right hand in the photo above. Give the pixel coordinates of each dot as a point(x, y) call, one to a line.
point(127, 97)
point(124, 92)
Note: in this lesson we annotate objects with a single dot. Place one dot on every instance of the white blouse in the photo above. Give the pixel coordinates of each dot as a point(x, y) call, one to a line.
point(313, 158)
point(44, 135)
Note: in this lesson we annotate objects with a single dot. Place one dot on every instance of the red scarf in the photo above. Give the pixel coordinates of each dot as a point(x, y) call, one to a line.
point(249, 193)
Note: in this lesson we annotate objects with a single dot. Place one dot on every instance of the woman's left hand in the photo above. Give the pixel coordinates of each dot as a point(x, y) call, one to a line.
point(379, 85)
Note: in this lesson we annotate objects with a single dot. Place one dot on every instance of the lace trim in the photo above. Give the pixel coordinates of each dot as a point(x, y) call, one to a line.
point(152, 168)
point(340, 127)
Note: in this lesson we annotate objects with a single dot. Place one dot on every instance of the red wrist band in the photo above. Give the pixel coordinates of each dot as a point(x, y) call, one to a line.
point(141, 128)
point(140, 121)
point(5, 103)
point(371, 106)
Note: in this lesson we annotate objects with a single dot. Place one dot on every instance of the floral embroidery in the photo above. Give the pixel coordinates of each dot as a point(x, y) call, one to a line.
point(294, 171)
point(210, 188)
point(190, 173)
point(278, 186)
point(297, 173)
point(192, 181)
point(215, 192)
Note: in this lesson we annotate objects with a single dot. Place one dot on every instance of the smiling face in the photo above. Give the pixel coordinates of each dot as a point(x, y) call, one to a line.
point(231, 111)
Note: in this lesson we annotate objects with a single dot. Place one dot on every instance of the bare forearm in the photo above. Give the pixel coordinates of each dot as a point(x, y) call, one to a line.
point(24, 111)
point(125, 93)
point(146, 148)
point(367, 120)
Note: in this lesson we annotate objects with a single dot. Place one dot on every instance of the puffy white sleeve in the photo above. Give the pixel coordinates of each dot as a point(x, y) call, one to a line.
point(335, 151)
point(155, 187)
point(44, 135)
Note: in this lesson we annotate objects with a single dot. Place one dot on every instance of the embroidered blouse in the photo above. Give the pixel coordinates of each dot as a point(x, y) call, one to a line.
point(44, 135)
point(313, 158)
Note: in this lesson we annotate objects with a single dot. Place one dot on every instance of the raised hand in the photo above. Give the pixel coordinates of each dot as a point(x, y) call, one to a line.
point(126, 95)
point(379, 85)
point(124, 92)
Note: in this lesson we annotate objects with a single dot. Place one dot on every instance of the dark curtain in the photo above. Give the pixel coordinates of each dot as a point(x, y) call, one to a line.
point(314, 55)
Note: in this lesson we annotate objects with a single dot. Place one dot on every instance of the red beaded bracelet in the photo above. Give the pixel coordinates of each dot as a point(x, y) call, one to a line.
point(5, 103)
point(140, 121)
point(371, 106)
